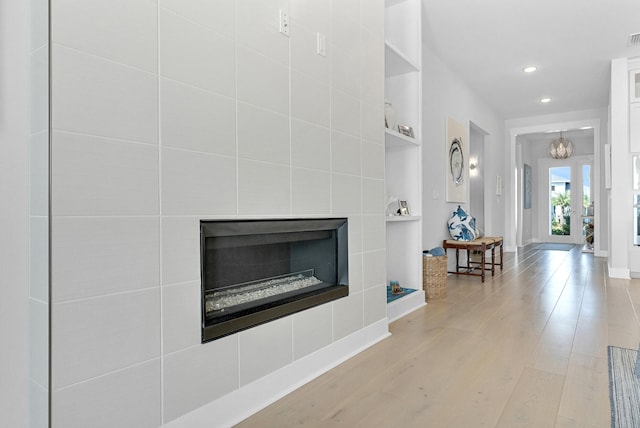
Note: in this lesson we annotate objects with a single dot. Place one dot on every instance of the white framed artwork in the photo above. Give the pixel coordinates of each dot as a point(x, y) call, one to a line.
point(456, 167)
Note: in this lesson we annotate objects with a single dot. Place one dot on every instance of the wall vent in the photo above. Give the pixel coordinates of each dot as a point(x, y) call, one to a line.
point(634, 39)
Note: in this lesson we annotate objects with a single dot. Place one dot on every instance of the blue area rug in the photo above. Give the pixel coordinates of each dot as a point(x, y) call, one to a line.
point(624, 387)
point(391, 297)
point(554, 247)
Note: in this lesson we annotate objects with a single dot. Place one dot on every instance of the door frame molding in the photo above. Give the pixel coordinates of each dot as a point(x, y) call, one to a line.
point(510, 235)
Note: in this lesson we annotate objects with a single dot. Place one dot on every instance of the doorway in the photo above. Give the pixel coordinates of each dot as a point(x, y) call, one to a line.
point(566, 211)
point(476, 175)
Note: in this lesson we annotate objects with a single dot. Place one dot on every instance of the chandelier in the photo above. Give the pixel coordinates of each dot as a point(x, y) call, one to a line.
point(561, 148)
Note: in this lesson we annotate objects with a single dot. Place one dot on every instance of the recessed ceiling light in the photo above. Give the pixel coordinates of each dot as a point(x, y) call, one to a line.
point(530, 69)
point(586, 127)
point(545, 100)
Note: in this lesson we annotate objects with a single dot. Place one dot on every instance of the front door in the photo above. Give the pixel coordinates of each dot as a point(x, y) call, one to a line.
point(566, 199)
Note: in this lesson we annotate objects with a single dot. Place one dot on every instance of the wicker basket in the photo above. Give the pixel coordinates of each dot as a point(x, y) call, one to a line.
point(434, 277)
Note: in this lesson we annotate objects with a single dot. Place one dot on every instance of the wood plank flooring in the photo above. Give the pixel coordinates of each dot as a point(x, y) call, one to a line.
point(528, 348)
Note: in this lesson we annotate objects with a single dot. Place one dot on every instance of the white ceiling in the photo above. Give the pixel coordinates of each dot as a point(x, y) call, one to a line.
point(488, 43)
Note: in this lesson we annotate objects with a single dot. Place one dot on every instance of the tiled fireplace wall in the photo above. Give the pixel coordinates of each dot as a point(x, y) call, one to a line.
point(166, 112)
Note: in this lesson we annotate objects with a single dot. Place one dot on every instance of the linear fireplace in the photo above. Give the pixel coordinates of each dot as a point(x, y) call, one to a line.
point(255, 271)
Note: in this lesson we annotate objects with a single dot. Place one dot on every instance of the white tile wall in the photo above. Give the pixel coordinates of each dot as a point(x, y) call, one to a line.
point(372, 123)
point(310, 191)
point(180, 323)
point(345, 71)
point(39, 107)
point(373, 232)
point(346, 194)
point(39, 174)
point(218, 16)
point(38, 262)
point(39, 255)
point(372, 160)
point(198, 375)
point(39, 25)
point(196, 119)
point(263, 135)
point(355, 272)
point(345, 113)
point(263, 81)
point(265, 348)
point(38, 406)
point(197, 183)
point(372, 15)
point(310, 145)
point(347, 315)
point(373, 198)
point(124, 31)
point(259, 28)
point(93, 256)
point(355, 234)
point(312, 14)
point(346, 155)
point(39, 342)
point(263, 188)
point(196, 55)
point(101, 176)
point(310, 99)
point(230, 119)
point(180, 249)
point(312, 329)
point(95, 336)
point(373, 263)
point(96, 96)
point(375, 304)
point(304, 56)
point(129, 398)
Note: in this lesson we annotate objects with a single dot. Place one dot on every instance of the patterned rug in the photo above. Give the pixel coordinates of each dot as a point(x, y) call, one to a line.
point(391, 297)
point(624, 387)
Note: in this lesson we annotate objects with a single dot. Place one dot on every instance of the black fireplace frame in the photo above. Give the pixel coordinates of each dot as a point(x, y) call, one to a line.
point(290, 303)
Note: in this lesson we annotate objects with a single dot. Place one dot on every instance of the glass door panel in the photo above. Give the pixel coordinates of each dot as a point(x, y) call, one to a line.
point(560, 208)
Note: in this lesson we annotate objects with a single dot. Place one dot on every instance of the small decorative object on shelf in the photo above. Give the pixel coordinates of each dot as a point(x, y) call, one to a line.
point(392, 203)
point(405, 130)
point(395, 287)
point(389, 115)
point(404, 208)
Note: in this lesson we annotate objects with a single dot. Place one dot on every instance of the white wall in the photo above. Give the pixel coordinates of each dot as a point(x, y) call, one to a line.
point(445, 95)
point(14, 215)
point(164, 114)
point(623, 257)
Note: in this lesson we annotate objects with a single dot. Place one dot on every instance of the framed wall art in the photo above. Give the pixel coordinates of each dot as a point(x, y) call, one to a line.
point(456, 173)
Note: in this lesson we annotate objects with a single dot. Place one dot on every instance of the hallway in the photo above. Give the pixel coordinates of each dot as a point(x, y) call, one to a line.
point(527, 348)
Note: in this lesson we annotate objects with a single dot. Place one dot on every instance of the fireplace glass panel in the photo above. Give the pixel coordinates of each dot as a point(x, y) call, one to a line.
point(254, 271)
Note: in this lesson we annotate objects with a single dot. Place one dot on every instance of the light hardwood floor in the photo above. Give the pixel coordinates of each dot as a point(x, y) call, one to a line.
point(528, 348)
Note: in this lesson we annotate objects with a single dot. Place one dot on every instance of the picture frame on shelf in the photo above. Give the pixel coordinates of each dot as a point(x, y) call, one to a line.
point(406, 130)
point(403, 208)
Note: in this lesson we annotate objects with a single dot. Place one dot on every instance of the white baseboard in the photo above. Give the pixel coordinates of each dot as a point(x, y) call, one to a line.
point(405, 305)
point(621, 273)
point(244, 402)
point(601, 253)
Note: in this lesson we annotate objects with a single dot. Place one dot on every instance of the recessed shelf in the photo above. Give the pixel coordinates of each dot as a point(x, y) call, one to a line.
point(396, 139)
point(403, 218)
point(397, 62)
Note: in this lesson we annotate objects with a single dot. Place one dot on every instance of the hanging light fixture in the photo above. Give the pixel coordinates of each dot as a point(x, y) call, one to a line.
point(561, 148)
